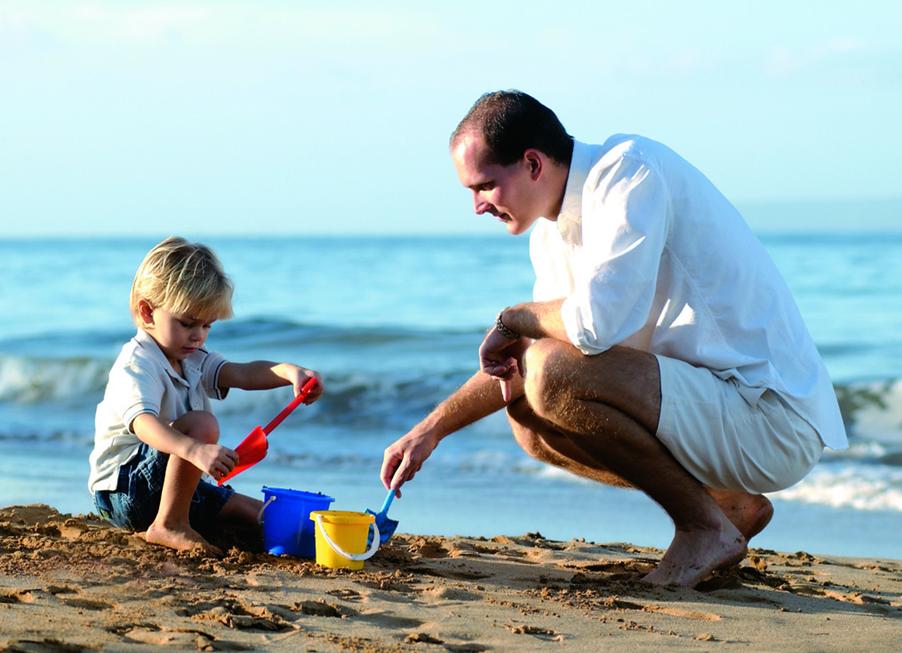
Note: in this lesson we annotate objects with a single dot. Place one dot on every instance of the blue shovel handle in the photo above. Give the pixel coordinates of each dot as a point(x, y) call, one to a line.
point(388, 499)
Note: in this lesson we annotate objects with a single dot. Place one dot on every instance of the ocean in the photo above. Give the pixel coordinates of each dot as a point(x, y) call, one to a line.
point(393, 324)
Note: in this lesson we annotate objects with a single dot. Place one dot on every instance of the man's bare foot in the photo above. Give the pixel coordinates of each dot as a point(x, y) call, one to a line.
point(186, 539)
point(692, 555)
point(750, 513)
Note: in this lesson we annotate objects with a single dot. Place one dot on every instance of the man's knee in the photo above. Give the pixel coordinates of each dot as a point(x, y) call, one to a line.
point(531, 443)
point(520, 415)
point(545, 371)
point(199, 425)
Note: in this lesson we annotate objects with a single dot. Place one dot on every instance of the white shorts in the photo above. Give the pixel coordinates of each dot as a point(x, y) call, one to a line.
point(723, 440)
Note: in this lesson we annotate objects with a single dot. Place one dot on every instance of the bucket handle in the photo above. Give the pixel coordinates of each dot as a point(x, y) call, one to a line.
point(260, 514)
point(351, 556)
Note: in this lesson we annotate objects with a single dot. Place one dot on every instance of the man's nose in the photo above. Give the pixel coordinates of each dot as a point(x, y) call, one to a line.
point(480, 206)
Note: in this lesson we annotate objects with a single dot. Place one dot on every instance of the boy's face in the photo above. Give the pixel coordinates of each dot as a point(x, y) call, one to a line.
point(178, 336)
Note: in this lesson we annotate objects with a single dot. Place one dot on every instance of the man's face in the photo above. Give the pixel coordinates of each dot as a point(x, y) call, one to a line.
point(507, 192)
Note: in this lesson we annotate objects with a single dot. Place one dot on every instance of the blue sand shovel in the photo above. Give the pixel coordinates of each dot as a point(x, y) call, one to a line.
point(386, 526)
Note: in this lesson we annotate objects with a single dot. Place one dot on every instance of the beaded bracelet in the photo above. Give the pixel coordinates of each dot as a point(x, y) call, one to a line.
point(505, 330)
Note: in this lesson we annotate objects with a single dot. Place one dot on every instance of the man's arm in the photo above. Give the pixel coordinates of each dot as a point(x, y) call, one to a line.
point(501, 352)
point(480, 395)
point(536, 320)
point(475, 399)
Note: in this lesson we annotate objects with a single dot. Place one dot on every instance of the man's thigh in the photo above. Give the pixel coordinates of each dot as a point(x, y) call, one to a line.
point(725, 441)
point(622, 378)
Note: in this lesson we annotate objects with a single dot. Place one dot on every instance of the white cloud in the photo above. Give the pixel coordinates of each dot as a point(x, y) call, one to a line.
point(784, 62)
point(139, 23)
point(301, 25)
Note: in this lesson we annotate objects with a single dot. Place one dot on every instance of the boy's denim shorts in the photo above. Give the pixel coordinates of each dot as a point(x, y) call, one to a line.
point(135, 502)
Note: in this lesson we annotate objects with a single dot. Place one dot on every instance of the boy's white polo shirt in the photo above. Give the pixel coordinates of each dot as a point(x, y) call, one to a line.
point(143, 381)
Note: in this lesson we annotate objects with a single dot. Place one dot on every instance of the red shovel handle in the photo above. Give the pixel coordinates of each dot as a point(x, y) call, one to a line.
point(305, 390)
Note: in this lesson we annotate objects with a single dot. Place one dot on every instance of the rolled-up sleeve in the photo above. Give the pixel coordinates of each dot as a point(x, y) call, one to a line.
point(625, 222)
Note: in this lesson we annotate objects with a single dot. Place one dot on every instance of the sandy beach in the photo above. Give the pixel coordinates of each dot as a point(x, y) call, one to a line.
point(72, 583)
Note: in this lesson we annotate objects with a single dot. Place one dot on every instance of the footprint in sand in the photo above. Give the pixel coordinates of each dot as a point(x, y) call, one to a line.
point(535, 631)
point(428, 549)
point(454, 571)
point(239, 615)
point(18, 596)
point(422, 638)
point(321, 609)
point(389, 621)
point(87, 604)
point(182, 639)
point(45, 645)
point(62, 589)
point(695, 615)
point(346, 594)
point(442, 593)
point(473, 550)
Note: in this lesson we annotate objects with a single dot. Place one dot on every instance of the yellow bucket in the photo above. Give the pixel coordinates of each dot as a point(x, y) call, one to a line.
point(341, 538)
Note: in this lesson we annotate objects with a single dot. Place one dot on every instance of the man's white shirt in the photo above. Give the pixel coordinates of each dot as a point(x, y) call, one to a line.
point(646, 252)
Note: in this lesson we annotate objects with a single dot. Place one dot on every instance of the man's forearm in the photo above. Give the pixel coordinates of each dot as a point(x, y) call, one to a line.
point(478, 397)
point(536, 320)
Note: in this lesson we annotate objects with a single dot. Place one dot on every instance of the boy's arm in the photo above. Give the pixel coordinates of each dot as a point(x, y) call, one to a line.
point(212, 459)
point(264, 375)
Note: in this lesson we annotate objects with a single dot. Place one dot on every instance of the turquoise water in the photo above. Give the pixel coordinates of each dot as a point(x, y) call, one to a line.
point(393, 324)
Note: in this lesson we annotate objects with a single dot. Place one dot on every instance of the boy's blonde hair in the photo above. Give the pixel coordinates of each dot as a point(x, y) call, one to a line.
point(182, 278)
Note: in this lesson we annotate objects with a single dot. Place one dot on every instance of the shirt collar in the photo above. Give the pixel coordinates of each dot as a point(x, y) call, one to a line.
point(569, 220)
point(146, 341)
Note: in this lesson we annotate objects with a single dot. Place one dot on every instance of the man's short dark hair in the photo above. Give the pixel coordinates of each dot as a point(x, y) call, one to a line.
point(512, 122)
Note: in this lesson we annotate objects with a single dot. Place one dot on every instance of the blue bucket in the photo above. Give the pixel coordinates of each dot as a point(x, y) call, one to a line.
point(285, 516)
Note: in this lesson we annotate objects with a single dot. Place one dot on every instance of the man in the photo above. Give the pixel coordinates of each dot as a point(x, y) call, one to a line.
point(662, 350)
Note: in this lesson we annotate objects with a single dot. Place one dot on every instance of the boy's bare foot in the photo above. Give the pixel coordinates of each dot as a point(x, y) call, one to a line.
point(694, 554)
point(186, 539)
point(750, 513)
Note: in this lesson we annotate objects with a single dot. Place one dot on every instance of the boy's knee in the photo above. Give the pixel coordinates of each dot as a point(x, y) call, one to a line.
point(199, 425)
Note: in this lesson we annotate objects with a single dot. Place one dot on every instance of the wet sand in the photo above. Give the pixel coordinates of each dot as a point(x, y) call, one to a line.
point(76, 584)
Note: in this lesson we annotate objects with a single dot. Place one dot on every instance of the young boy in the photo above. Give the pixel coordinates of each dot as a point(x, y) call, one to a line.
point(154, 432)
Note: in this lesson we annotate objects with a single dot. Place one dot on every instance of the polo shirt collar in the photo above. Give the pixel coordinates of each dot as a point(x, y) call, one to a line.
point(569, 220)
point(146, 341)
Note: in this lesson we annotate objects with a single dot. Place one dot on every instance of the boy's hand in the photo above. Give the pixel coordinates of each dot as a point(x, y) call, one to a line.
point(298, 376)
point(213, 459)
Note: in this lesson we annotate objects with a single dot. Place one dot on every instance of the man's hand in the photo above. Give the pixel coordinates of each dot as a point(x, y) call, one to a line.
point(502, 357)
point(212, 459)
point(404, 458)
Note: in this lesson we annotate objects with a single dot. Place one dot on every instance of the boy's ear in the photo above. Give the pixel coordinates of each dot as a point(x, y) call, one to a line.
point(145, 312)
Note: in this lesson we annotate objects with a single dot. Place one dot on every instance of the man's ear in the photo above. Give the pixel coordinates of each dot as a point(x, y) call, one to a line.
point(145, 312)
point(533, 159)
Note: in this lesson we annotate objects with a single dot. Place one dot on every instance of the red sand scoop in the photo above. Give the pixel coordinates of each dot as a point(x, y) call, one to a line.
point(253, 448)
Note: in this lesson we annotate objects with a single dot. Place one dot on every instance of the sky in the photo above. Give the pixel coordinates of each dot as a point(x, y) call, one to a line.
point(266, 117)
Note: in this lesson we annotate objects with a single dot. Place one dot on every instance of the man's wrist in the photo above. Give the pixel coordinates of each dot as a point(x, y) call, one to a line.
point(503, 329)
